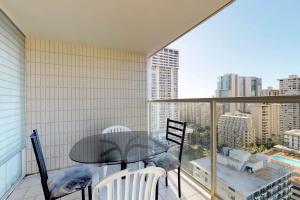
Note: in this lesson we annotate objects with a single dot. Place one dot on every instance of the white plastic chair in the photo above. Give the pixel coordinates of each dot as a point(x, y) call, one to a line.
point(113, 129)
point(138, 185)
point(116, 128)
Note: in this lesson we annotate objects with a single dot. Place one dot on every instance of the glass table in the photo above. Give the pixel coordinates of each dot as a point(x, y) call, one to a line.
point(117, 148)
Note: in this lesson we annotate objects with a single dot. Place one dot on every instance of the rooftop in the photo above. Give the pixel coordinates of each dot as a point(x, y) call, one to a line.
point(295, 132)
point(237, 115)
point(243, 181)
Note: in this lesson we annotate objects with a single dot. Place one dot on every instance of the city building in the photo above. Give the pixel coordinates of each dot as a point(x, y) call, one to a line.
point(292, 139)
point(270, 91)
point(195, 113)
point(236, 130)
point(290, 113)
point(295, 190)
point(266, 118)
point(164, 85)
point(243, 176)
point(198, 113)
point(266, 122)
point(233, 85)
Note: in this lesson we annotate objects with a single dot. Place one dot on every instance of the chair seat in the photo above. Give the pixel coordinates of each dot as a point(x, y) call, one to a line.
point(69, 180)
point(166, 161)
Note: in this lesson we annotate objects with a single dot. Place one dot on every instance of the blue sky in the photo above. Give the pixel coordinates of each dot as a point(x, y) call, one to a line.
point(250, 37)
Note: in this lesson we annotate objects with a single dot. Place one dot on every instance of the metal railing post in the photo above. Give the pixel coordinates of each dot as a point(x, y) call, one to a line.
point(213, 148)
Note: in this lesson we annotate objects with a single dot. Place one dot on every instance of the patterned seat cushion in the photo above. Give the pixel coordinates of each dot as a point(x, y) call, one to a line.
point(166, 161)
point(69, 180)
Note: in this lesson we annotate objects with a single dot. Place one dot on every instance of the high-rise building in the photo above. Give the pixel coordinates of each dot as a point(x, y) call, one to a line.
point(235, 130)
point(228, 86)
point(233, 85)
point(266, 122)
point(266, 118)
point(164, 85)
point(290, 113)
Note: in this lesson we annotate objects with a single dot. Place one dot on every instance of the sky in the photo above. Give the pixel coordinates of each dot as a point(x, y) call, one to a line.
point(250, 38)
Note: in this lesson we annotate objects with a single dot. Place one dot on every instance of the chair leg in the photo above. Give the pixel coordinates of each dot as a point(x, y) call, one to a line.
point(90, 192)
point(166, 179)
point(145, 165)
point(82, 194)
point(156, 192)
point(179, 184)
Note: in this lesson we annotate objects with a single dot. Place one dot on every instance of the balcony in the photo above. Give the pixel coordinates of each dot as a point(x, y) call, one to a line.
point(70, 79)
point(79, 68)
point(272, 181)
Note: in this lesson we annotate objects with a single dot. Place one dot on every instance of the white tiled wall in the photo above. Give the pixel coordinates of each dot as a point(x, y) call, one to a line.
point(75, 90)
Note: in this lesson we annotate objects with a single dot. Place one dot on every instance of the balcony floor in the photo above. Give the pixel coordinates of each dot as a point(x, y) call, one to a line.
point(30, 189)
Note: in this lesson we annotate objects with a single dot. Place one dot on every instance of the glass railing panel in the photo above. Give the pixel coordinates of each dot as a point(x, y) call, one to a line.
point(258, 150)
point(257, 144)
point(197, 138)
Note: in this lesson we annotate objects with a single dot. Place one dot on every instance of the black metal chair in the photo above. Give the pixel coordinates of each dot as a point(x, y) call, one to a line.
point(175, 134)
point(61, 182)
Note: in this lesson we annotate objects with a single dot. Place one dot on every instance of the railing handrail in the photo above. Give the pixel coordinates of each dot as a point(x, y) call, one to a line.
point(256, 99)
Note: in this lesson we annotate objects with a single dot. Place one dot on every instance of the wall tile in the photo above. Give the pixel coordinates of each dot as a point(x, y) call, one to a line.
point(75, 90)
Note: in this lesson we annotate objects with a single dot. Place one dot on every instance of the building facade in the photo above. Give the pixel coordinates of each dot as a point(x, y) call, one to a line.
point(266, 122)
point(233, 85)
point(292, 139)
point(266, 118)
point(295, 190)
point(235, 130)
point(270, 91)
point(290, 113)
point(164, 85)
point(195, 113)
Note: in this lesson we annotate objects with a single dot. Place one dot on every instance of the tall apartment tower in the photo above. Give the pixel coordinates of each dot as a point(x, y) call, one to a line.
point(266, 118)
point(236, 130)
point(233, 85)
point(164, 85)
point(266, 121)
point(290, 113)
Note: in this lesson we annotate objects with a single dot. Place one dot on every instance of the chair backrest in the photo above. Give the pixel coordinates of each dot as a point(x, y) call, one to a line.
point(137, 185)
point(37, 148)
point(116, 128)
point(176, 133)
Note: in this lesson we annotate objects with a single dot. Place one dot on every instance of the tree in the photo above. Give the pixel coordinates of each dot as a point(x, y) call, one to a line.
point(277, 139)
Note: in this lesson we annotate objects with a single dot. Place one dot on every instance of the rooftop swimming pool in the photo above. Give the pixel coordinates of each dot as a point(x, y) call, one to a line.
point(287, 160)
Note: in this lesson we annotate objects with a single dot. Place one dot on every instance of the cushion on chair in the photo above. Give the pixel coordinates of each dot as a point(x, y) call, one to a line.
point(166, 161)
point(69, 180)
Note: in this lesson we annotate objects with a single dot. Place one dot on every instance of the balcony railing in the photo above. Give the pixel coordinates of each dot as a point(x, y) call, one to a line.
point(207, 111)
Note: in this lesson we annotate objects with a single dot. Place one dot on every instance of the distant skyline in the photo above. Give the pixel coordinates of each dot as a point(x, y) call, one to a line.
point(249, 38)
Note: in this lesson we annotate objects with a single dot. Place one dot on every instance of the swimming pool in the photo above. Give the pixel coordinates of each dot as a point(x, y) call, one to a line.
point(287, 160)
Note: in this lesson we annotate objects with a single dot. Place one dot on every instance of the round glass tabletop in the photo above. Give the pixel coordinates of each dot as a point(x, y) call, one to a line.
point(119, 147)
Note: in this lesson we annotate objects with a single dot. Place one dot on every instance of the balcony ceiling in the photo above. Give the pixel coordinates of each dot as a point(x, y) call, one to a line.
point(142, 26)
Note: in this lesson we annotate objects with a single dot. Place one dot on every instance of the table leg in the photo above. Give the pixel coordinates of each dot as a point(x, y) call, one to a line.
point(123, 165)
